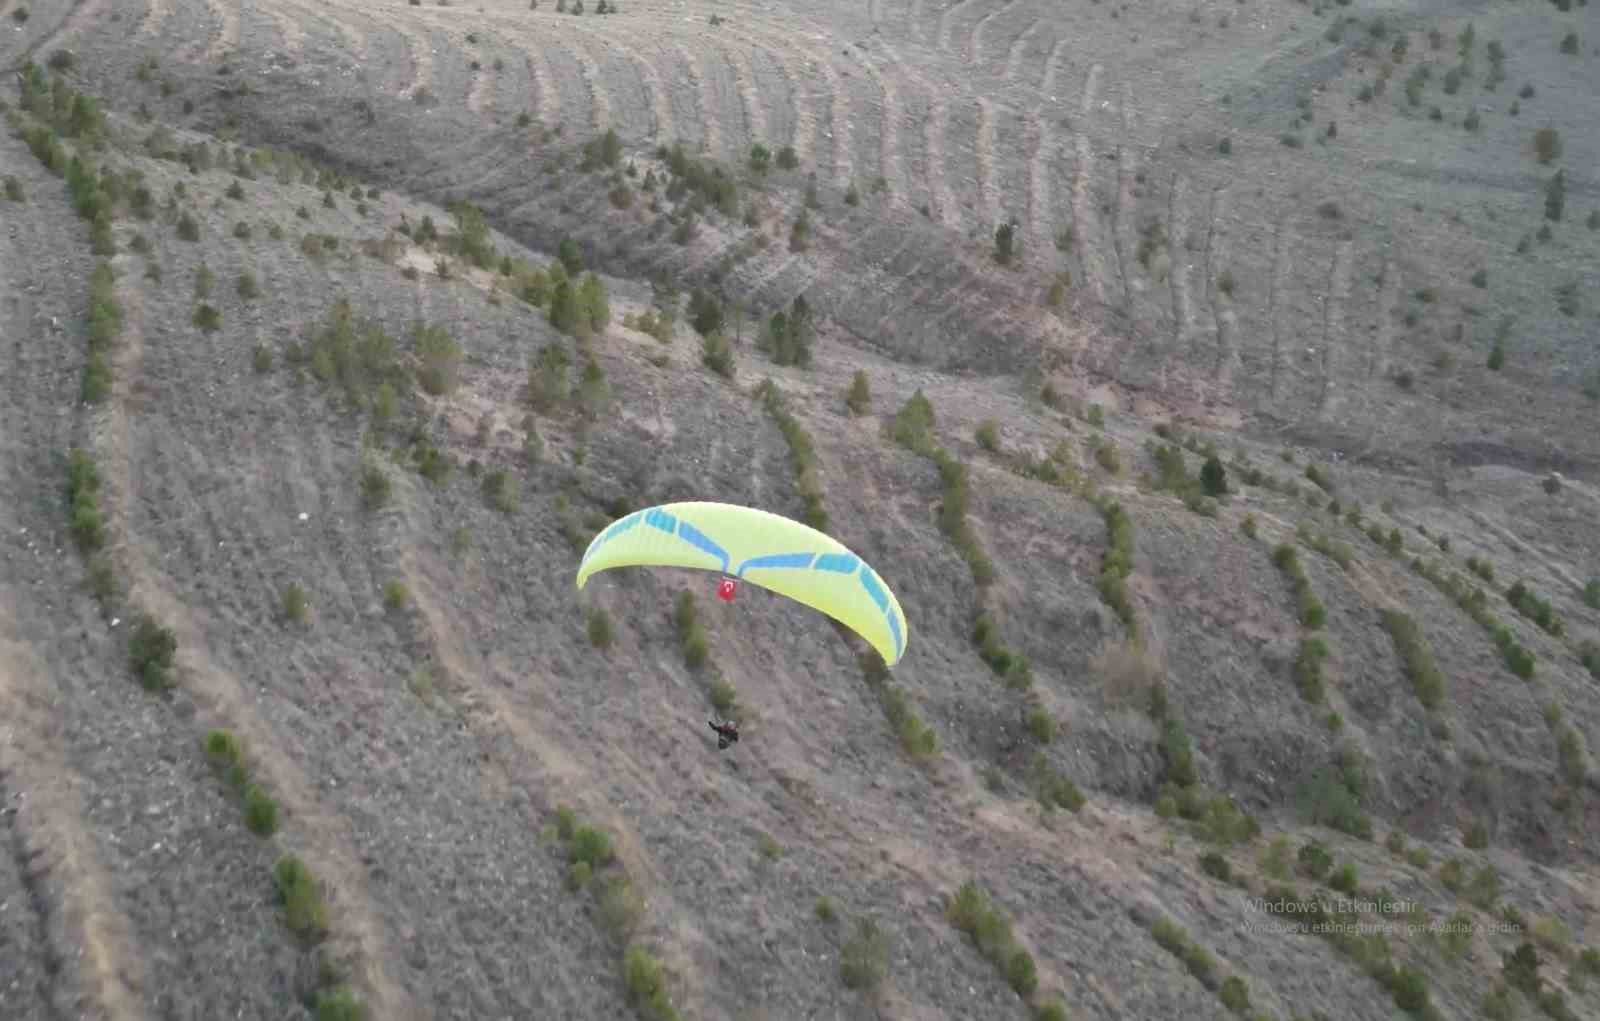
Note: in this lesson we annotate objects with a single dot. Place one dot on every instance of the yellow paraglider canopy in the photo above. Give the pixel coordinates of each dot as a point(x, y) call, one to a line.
point(765, 549)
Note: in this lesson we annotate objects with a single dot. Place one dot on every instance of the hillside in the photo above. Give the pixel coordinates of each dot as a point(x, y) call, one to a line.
point(334, 332)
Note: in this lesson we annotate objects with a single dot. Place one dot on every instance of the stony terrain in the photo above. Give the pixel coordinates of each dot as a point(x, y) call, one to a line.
point(377, 720)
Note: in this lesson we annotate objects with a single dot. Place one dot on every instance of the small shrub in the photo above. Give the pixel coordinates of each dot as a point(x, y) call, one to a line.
point(1476, 836)
point(304, 909)
point(248, 288)
point(600, 629)
point(1004, 243)
point(1344, 879)
point(716, 354)
point(1547, 144)
point(1417, 658)
point(1041, 725)
point(1105, 453)
point(591, 845)
point(1216, 866)
point(1552, 933)
point(223, 750)
point(440, 356)
point(1520, 968)
point(260, 812)
point(1275, 858)
point(641, 972)
point(988, 435)
point(396, 596)
point(864, 958)
point(1021, 973)
point(294, 603)
point(207, 317)
point(339, 1004)
point(499, 491)
point(724, 699)
point(859, 397)
point(376, 487)
point(1235, 995)
point(1313, 860)
point(769, 847)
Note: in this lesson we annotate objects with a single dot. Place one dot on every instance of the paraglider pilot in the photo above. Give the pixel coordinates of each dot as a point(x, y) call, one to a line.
point(727, 733)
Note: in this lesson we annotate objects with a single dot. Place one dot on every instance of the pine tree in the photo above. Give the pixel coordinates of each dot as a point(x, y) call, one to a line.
point(563, 307)
point(1004, 242)
point(1555, 196)
point(594, 305)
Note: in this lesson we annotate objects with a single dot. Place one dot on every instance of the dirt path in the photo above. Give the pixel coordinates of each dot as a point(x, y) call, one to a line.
point(288, 25)
point(1505, 535)
point(547, 99)
point(353, 41)
point(914, 19)
point(541, 760)
point(705, 101)
point(1184, 336)
point(644, 62)
point(323, 838)
point(227, 39)
point(1041, 145)
point(974, 53)
point(1335, 353)
point(480, 93)
point(418, 46)
point(85, 957)
point(889, 162)
point(1088, 241)
point(804, 115)
point(840, 124)
point(946, 209)
point(623, 39)
point(988, 176)
point(1275, 299)
point(85, 933)
point(155, 15)
point(594, 82)
point(1123, 226)
point(947, 24)
point(1222, 313)
point(1383, 336)
point(1052, 67)
point(942, 203)
point(755, 111)
point(83, 14)
point(1019, 46)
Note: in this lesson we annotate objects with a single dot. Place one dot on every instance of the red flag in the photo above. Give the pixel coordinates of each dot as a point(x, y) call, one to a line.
point(726, 589)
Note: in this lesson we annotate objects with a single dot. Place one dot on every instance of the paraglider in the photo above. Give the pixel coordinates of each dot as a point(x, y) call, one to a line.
point(727, 733)
point(764, 549)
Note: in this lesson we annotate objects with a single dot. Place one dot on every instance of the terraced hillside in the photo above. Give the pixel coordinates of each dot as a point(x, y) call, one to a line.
point(1274, 209)
point(303, 717)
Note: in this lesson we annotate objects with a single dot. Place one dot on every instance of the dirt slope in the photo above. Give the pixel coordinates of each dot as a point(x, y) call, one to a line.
point(418, 752)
